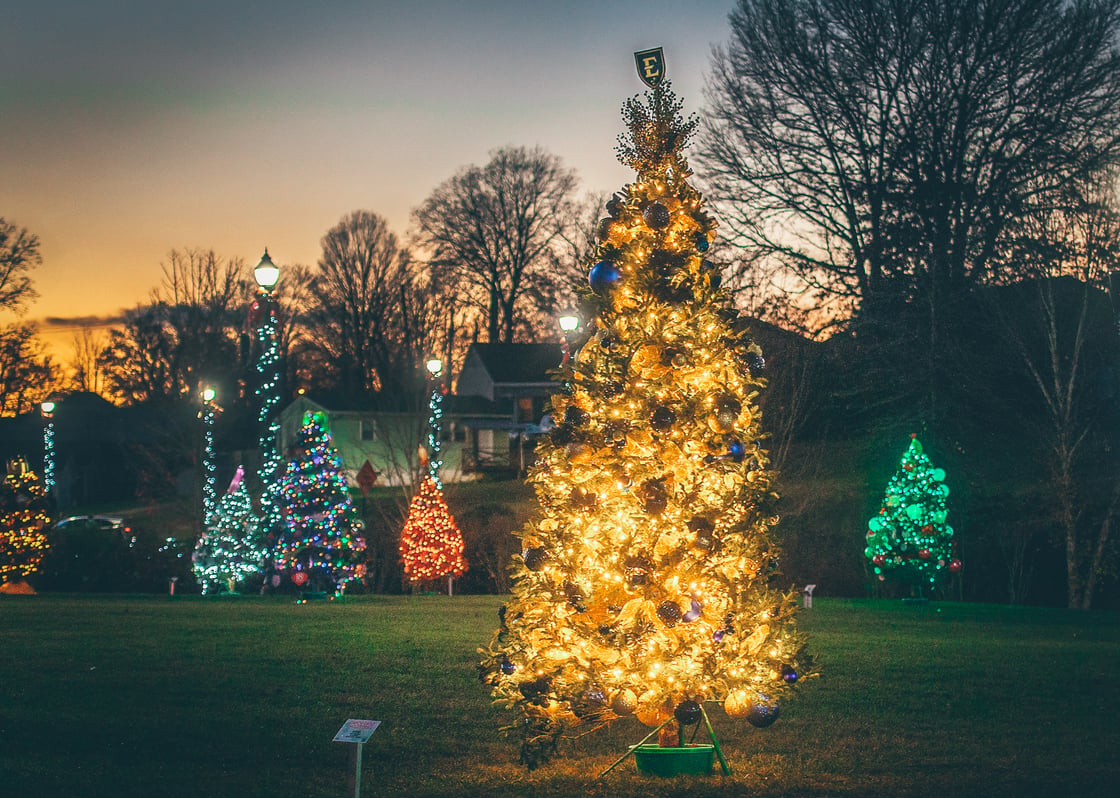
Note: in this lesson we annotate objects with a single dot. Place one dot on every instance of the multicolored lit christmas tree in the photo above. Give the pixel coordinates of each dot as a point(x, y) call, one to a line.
point(321, 543)
point(908, 540)
point(644, 588)
point(231, 549)
point(431, 543)
point(23, 522)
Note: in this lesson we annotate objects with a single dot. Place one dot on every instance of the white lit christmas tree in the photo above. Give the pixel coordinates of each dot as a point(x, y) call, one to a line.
point(230, 550)
point(908, 540)
point(321, 543)
point(644, 587)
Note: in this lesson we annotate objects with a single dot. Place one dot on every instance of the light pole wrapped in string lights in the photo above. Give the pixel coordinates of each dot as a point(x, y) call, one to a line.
point(263, 317)
point(435, 419)
point(209, 467)
point(47, 409)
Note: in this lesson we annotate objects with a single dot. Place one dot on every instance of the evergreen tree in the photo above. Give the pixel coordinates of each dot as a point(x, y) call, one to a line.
point(23, 522)
point(321, 542)
point(908, 540)
point(230, 550)
point(644, 586)
point(431, 544)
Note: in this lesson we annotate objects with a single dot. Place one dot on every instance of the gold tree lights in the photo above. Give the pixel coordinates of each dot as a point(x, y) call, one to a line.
point(643, 587)
point(23, 522)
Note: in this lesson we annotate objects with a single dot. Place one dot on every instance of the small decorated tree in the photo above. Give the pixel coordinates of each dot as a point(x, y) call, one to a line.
point(321, 543)
point(23, 523)
point(644, 586)
point(230, 550)
point(431, 544)
point(908, 540)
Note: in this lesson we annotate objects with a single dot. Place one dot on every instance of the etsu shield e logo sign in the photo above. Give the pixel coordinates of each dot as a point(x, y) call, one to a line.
point(651, 66)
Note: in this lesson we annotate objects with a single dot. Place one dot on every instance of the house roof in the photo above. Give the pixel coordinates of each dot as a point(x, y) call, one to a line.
point(491, 370)
point(519, 364)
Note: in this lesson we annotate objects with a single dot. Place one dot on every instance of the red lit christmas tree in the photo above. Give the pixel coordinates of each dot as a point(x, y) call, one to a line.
point(431, 544)
point(23, 523)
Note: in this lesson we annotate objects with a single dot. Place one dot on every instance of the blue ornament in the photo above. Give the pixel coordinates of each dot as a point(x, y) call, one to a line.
point(736, 450)
point(763, 712)
point(603, 277)
point(702, 243)
point(508, 667)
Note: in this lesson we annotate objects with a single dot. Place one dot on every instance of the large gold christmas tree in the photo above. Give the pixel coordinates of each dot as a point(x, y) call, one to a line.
point(644, 587)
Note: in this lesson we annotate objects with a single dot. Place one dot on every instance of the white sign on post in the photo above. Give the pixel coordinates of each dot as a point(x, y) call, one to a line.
point(356, 731)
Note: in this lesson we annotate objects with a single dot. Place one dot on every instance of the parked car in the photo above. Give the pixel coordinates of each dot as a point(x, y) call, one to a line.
point(106, 522)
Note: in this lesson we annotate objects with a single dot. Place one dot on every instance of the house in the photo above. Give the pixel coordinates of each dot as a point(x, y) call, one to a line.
point(518, 379)
point(388, 440)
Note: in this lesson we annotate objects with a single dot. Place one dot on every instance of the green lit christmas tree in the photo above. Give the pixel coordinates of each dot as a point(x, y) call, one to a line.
point(23, 523)
point(644, 587)
point(230, 551)
point(321, 543)
point(908, 540)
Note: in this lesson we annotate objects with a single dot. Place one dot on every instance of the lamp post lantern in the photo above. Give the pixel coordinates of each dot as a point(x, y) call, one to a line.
point(263, 317)
point(435, 418)
point(209, 467)
point(47, 410)
point(569, 323)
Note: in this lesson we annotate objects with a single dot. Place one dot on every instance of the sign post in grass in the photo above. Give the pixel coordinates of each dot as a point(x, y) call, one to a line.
point(356, 732)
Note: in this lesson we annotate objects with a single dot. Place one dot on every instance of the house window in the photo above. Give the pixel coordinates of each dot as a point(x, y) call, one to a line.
point(458, 433)
point(365, 428)
point(525, 409)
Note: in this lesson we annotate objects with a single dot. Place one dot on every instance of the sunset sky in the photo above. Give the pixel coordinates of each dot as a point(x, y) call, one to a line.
point(132, 127)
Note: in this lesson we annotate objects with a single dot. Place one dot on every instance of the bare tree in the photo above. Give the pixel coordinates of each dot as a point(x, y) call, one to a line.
point(886, 147)
point(185, 337)
point(26, 371)
point(368, 321)
point(1067, 342)
point(495, 233)
point(139, 360)
point(85, 371)
point(19, 254)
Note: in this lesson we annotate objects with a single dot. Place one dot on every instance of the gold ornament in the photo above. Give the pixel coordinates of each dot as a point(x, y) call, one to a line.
point(737, 704)
point(624, 702)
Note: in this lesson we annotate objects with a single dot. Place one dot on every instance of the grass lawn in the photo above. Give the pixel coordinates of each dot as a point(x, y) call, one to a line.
point(154, 696)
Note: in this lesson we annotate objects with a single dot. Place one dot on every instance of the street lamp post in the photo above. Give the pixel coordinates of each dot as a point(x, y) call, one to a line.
point(267, 274)
point(435, 418)
point(569, 323)
point(47, 410)
point(209, 467)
